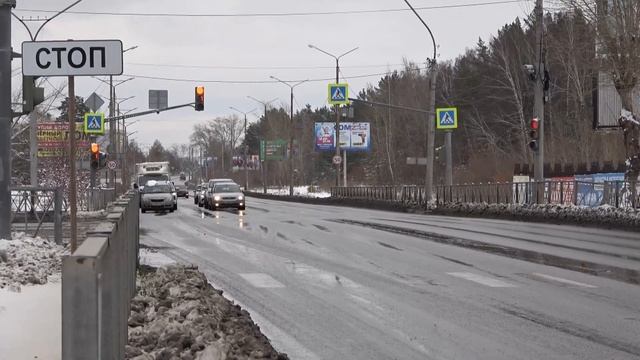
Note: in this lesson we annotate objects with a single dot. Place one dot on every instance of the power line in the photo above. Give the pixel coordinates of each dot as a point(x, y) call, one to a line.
point(282, 14)
point(226, 67)
point(262, 81)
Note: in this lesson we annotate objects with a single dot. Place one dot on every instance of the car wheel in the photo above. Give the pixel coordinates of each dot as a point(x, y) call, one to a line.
point(241, 208)
point(175, 207)
point(143, 210)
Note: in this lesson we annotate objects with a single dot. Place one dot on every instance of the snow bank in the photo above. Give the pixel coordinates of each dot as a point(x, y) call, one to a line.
point(25, 260)
point(177, 314)
point(304, 191)
point(602, 215)
point(153, 258)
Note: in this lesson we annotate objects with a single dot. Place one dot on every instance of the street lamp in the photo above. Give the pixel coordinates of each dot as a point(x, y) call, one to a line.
point(337, 131)
point(291, 86)
point(431, 121)
point(246, 146)
point(263, 162)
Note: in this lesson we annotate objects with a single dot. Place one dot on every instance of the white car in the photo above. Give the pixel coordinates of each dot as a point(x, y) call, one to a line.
point(158, 196)
point(225, 195)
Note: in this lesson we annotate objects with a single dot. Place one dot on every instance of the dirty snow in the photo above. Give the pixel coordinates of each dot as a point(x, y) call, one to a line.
point(304, 191)
point(151, 257)
point(177, 314)
point(26, 260)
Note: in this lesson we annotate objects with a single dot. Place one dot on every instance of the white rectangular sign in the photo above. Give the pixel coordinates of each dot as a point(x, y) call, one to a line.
point(72, 58)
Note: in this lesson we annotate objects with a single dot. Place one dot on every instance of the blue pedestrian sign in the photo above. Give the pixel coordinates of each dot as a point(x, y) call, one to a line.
point(338, 94)
point(94, 123)
point(447, 118)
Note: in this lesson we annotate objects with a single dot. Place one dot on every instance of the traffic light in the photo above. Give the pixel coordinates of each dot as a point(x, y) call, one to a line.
point(533, 134)
point(199, 98)
point(95, 156)
point(31, 95)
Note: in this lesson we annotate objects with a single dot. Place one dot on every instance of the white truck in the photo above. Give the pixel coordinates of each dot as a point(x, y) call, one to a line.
point(151, 171)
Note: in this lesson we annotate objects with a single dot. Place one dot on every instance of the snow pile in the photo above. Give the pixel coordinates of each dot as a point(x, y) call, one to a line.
point(177, 314)
point(601, 215)
point(27, 260)
point(303, 191)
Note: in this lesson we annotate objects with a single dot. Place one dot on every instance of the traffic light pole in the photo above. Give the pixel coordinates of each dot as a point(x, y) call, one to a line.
point(6, 115)
point(538, 168)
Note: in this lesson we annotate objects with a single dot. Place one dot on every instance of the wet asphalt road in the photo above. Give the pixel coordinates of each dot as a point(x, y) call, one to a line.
point(323, 289)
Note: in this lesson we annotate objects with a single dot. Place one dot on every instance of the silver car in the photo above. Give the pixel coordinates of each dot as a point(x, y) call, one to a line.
point(158, 196)
point(226, 195)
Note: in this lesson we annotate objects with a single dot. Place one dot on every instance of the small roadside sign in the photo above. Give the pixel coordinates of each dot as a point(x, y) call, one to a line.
point(112, 165)
point(447, 118)
point(338, 94)
point(337, 160)
point(94, 102)
point(94, 123)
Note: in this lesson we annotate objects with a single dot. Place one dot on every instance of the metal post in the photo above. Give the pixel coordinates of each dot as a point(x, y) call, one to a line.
point(291, 148)
point(72, 164)
point(337, 132)
point(246, 148)
point(431, 132)
point(344, 167)
point(538, 168)
point(33, 149)
point(5, 117)
point(57, 216)
point(449, 158)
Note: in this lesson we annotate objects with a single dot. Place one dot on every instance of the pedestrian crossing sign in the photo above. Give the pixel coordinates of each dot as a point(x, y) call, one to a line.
point(447, 118)
point(338, 94)
point(94, 123)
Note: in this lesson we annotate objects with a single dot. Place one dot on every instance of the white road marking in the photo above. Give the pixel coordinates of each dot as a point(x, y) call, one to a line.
point(261, 280)
point(564, 281)
point(484, 280)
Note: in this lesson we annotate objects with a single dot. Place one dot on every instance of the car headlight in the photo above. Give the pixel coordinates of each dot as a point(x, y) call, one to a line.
point(216, 198)
point(240, 197)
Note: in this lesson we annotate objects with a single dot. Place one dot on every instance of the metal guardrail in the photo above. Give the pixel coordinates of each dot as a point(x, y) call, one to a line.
point(98, 283)
point(31, 207)
point(581, 193)
point(96, 199)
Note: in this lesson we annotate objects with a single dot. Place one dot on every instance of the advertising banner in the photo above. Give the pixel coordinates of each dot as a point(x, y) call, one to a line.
point(53, 138)
point(354, 136)
point(591, 187)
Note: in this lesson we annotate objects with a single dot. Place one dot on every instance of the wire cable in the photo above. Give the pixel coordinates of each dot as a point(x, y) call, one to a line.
point(281, 14)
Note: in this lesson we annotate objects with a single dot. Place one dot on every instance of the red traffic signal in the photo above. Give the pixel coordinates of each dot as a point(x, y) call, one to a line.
point(535, 124)
point(199, 101)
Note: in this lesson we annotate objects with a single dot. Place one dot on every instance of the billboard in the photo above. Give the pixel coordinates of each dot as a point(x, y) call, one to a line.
point(53, 138)
point(354, 136)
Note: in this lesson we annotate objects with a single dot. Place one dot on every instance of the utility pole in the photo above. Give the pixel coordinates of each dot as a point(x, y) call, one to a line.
point(6, 115)
point(263, 162)
point(337, 107)
point(291, 131)
point(538, 167)
point(431, 118)
point(72, 165)
point(246, 146)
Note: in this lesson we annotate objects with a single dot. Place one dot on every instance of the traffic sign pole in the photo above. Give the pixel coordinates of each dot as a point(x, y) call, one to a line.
point(5, 117)
point(72, 165)
point(448, 175)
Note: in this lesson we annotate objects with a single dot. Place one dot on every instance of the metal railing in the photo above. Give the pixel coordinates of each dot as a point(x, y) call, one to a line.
point(406, 194)
point(562, 192)
point(32, 207)
point(98, 283)
point(96, 199)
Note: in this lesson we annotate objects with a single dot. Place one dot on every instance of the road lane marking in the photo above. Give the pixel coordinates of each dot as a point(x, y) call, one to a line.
point(261, 280)
point(483, 280)
point(564, 281)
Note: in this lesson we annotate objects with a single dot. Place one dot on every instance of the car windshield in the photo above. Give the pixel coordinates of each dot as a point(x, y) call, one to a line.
point(156, 189)
point(146, 178)
point(226, 188)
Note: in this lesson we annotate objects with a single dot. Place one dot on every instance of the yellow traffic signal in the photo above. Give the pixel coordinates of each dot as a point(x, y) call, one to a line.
point(199, 102)
point(95, 148)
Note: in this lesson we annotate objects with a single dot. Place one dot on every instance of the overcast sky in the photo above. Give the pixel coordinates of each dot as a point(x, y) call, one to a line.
point(253, 48)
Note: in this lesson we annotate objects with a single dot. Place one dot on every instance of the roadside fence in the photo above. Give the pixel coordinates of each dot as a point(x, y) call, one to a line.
point(562, 192)
point(33, 208)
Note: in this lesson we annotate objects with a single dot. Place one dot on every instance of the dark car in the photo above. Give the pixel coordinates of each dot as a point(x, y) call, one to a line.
point(182, 191)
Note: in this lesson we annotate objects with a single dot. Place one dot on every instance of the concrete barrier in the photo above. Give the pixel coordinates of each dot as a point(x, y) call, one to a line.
point(98, 283)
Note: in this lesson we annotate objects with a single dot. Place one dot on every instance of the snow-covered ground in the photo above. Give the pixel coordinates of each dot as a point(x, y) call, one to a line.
point(153, 258)
point(305, 191)
point(30, 298)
